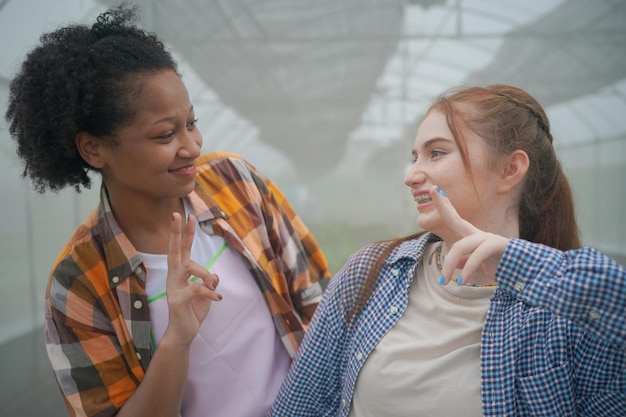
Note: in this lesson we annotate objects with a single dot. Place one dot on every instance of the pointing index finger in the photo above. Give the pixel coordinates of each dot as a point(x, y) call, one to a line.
point(449, 214)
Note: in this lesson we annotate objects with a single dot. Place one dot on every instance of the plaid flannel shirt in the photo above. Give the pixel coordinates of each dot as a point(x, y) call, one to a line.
point(553, 344)
point(97, 314)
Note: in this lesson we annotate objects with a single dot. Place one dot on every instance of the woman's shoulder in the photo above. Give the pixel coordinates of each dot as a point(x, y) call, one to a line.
point(79, 258)
point(209, 157)
point(83, 234)
point(400, 247)
point(364, 259)
point(217, 169)
point(222, 162)
point(91, 251)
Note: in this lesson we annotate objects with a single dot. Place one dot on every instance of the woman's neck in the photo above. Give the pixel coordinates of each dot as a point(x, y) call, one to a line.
point(503, 222)
point(146, 222)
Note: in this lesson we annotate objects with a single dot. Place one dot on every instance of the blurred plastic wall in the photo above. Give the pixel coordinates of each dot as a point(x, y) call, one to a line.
point(353, 204)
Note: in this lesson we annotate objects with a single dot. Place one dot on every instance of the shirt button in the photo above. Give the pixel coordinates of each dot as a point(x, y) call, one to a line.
point(394, 272)
point(519, 286)
point(138, 270)
point(344, 402)
point(115, 279)
point(138, 304)
point(393, 310)
point(138, 355)
point(594, 315)
point(359, 356)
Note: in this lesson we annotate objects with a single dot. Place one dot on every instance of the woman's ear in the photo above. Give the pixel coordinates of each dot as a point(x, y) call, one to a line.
point(89, 148)
point(513, 170)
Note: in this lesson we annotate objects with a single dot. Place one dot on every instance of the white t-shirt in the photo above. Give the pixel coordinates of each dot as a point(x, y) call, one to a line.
point(237, 361)
point(428, 364)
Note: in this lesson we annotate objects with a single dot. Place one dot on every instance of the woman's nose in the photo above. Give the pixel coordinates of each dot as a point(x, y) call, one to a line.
point(414, 175)
point(191, 145)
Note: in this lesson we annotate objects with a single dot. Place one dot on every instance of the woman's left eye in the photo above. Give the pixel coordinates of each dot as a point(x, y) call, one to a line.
point(167, 135)
point(192, 123)
point(436, 153)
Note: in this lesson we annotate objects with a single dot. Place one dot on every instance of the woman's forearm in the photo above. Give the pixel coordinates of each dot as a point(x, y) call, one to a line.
point(160, 394)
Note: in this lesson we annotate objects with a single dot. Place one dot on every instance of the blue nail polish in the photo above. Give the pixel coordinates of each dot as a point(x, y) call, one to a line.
point(441, 280)
point(459, 281)
point(440, 191)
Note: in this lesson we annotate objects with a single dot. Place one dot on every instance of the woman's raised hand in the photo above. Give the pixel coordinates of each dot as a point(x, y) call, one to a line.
point(188, 301)
point(476, 253)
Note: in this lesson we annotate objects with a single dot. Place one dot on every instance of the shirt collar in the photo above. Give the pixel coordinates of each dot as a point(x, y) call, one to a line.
point(119, 254)
point(412, 249)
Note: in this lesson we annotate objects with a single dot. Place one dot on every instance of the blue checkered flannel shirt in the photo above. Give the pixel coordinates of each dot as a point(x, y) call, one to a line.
point(553, 343)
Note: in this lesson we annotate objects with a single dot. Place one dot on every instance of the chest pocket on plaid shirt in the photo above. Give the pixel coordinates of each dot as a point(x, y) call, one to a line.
point(549, 393)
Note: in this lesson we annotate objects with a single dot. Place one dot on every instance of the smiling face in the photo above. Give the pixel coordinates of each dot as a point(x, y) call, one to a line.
point(438, 161)
point(154, 154)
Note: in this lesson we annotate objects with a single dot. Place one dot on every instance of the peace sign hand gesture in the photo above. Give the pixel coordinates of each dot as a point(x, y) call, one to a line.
point(188, 301)
point(476, 252)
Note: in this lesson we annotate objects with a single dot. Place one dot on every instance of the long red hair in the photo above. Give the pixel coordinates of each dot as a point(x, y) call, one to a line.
point(507, 119)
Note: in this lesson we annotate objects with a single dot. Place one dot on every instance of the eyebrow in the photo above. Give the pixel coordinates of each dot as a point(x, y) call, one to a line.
point(169, 118)
point(429, 142)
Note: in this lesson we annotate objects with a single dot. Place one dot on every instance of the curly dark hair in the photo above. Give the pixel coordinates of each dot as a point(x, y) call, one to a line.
point(79, 78)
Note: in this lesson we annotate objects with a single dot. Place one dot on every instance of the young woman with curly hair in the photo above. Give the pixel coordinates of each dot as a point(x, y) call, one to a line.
point(137, 321)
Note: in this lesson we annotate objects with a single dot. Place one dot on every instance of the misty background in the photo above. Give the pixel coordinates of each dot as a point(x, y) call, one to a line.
point(324, 97)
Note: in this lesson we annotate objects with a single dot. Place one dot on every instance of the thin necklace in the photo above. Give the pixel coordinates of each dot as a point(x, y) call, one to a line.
point(439, 264)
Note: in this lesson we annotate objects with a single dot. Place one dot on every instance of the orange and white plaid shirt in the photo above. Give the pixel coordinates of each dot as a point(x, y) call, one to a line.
point(97, 314)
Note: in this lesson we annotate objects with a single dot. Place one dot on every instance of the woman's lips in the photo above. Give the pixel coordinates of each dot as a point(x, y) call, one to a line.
point(186, 171)
point(422, 198)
